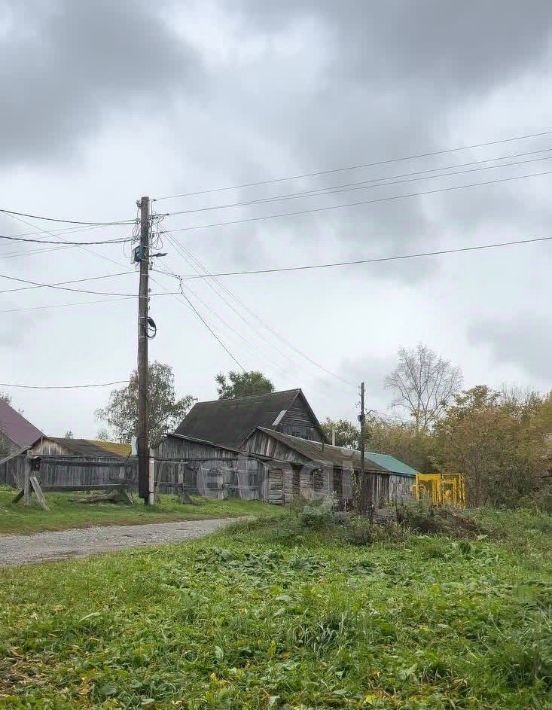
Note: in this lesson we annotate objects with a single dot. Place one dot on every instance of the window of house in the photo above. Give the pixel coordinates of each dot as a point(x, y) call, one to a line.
point(317, 480)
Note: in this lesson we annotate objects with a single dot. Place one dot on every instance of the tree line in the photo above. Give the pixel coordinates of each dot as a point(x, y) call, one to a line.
point(501, 440)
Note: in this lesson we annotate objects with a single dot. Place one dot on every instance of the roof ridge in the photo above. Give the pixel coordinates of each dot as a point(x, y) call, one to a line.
point(248, 396)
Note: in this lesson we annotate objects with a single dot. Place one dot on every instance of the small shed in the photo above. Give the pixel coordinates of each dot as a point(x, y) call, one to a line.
point(72, 462)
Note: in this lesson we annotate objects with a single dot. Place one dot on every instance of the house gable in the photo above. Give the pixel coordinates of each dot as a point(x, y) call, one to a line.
point(299, 420)
point(229, 422)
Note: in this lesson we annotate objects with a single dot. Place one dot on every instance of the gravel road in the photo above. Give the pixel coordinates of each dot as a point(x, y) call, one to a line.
point(25, 549)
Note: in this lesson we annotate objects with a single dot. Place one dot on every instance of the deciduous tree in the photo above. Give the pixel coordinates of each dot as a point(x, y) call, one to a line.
point(165, 410)
point(346, 433)
point(423, 384)
point(242, 384)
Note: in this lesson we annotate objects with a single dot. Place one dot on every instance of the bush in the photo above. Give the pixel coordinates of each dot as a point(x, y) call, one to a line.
point(319, 514)
point(423, 518)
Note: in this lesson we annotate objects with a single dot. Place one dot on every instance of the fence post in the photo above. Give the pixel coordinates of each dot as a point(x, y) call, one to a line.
point(27, 480)
point(151, 477)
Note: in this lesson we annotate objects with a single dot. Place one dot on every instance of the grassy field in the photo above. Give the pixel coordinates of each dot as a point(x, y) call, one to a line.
point(66, 513)
point(273, 615)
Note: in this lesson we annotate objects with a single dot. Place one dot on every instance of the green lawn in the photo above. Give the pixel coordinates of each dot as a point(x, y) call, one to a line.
point(265, 616)
point(66, 513)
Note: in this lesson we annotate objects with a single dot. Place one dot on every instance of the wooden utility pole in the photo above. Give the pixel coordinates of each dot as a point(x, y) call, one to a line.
point(365, 497)
point(143, 256)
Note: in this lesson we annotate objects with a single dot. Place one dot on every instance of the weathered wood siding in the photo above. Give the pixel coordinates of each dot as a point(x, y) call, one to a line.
point(401, 488)
point(70, 471)
point(302, 476)
point(205, 469)
point(46, 447)
point(298, 421)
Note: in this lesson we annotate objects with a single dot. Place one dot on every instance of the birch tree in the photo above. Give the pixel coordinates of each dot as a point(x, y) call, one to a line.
point(423, 384)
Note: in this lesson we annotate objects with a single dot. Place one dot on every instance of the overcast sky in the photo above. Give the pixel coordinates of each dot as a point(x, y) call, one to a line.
point(104, 101)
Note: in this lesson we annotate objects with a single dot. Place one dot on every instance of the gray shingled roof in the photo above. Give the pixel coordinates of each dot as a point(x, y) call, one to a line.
point(16, 428)
point(230, 421)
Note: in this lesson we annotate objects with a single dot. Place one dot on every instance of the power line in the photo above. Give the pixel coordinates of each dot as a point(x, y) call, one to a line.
point(37, 284)
point(66, 305)
point(375, 260)
point(63, 283)
point(375, 183)
point(210, 329)
point(67, 221)
point(119, 240)
point(278, 336)
point(64, 387)
point(53, 234)
point(389, 198)
point(355, 167)
point(218, 291)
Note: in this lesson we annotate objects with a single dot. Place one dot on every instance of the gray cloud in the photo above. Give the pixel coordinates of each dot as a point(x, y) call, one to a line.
point(104, 100)
point(64, 65)
point(435, 45)
point(524, 340)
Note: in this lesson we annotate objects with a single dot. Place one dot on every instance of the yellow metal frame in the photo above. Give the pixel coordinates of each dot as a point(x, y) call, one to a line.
point(441, 488)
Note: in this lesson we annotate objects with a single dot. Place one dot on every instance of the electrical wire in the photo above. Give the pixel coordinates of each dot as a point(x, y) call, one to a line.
point(363, 184)
point(197, 313)
point(64, 387)
point(66, 305)
point(37, 284)
point(389, 198)
point(279, 338)
point(374, 260)
point(64, 283)
point(89, 223)
point(120, 240)
point(357, 166)
point(253, 347)
point(210, 329)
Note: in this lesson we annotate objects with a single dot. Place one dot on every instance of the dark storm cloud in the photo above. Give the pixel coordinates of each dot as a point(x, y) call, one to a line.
point(524, 341)
point(64, 64)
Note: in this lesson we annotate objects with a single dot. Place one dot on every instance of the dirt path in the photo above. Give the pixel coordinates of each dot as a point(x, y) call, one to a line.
point(25, 549)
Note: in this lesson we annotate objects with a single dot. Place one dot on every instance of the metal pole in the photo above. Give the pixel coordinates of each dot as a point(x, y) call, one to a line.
point(142, 433)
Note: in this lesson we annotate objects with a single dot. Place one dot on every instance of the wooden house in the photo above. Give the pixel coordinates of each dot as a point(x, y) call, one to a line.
point(271, 446)
point(315, 469)
point(229, 422)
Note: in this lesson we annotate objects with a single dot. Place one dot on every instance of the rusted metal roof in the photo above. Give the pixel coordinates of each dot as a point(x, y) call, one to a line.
point(16, 428)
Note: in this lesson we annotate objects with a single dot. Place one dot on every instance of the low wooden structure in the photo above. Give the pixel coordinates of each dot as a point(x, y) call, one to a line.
point(314, 469)
point(199, 467)
point(70, 462)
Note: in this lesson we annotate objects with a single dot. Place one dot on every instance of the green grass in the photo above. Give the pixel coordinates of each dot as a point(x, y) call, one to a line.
point(266, 615)
point(66, 513)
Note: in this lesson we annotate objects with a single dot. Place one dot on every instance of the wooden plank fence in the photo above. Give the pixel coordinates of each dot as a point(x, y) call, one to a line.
point(217, 478)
